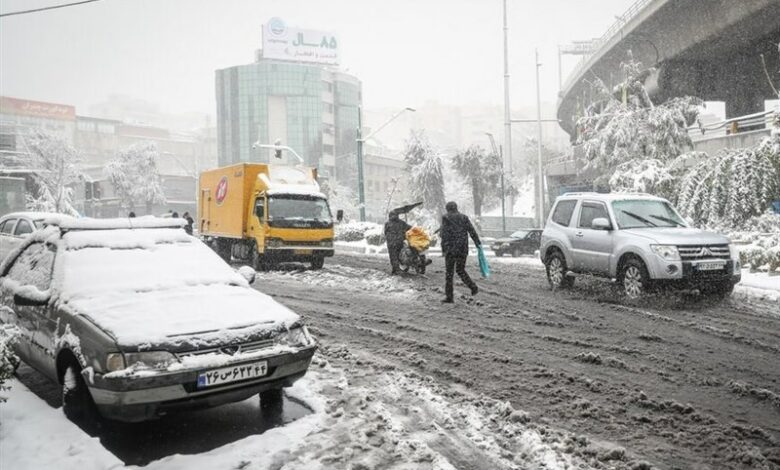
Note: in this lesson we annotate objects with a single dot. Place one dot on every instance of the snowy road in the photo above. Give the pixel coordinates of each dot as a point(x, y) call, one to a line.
point(677, 382)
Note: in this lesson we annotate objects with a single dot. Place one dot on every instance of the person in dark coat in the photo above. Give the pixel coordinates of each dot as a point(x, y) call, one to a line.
point(395, 234)
point(188, 228)
point(455, 230)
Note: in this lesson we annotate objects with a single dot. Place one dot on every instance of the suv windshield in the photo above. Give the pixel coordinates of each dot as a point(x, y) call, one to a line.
point(640, 213)
point(298, 211)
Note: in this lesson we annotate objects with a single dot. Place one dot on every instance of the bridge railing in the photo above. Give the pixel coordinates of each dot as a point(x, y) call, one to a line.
point(612, 31)
point(735, 125)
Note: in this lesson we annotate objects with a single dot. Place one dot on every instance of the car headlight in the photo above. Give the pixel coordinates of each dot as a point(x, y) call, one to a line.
point(294, 337)
point(667, 252)
point(150, 359)
point(274, 242)
point(115, 362)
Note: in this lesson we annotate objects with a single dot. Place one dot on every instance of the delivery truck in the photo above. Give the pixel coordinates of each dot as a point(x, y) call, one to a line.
point(265, 214)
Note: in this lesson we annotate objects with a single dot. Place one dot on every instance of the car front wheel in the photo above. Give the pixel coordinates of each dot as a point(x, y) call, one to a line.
point(557, 271)
point(77, 402)
point(634, 279)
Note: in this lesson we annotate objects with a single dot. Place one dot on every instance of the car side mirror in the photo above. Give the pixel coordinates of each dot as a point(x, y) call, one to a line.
point(600, 223)
point(25, 301)
point(248, 273)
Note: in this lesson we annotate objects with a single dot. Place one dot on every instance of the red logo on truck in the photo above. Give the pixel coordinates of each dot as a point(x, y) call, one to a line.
point(221, 190)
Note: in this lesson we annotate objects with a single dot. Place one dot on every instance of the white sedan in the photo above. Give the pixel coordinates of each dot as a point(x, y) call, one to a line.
point(16, 226)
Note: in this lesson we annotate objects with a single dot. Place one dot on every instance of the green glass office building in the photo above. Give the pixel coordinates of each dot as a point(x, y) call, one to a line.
point(311, 108)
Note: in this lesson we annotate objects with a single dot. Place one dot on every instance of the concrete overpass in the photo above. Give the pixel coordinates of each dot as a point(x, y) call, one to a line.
point(706, 48)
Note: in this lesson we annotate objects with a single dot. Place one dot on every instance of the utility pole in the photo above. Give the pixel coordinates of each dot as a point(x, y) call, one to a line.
point(361, 188)
point(540, 189)
point(500, 153)
point(507, 118)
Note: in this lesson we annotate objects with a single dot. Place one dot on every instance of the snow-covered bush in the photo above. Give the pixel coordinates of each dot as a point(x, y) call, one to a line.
point(375, 236)
point(758, 241)
point(354, 231)
point(8, 360)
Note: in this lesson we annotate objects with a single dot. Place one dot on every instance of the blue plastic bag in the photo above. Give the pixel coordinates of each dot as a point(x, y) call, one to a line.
point(484, 267)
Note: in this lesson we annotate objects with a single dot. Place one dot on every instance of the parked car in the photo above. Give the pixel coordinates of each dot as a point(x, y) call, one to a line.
point(16, 226)
point(521, 242)
point(135, 319)
point(637, 239)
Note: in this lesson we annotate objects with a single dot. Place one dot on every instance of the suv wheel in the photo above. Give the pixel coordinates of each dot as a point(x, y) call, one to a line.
point(77, 402)
point(634, 279)
point(556, 271)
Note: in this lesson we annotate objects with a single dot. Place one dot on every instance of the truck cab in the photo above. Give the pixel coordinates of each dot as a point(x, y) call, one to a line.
point(266, 214)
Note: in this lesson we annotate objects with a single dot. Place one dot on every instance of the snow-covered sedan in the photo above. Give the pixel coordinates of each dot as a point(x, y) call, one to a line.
point(16, 226)
point(136, 319)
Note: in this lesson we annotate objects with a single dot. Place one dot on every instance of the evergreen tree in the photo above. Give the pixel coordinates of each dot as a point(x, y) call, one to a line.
point(482, 172)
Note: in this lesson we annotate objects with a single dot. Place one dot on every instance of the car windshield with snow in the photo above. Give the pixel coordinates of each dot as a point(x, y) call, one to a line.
point(136, 319)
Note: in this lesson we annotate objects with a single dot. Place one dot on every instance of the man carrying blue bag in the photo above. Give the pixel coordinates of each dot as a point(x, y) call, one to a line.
point(455, 230)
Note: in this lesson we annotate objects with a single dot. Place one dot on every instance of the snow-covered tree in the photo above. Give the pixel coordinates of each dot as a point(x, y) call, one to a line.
point(424, 166)
point(54, 172)
point(644, 176)
point(623, 124)
point(8, 360)
point(341, 197)
point(482, 173)
point(135, 178)
point(727, 189)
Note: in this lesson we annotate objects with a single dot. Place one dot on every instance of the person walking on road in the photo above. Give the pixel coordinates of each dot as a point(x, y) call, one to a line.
point(188, 228)
point(395, 234)
point(455, 230)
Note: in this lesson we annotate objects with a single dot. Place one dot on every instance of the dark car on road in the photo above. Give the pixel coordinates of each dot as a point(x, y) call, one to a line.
point(521, 242)
point(136, 319)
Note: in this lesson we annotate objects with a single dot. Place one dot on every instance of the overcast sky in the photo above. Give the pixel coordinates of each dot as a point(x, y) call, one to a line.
point(405, 51)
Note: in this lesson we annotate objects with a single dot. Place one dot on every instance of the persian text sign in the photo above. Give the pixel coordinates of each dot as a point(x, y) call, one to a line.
point(36, 108)
point(302, 45)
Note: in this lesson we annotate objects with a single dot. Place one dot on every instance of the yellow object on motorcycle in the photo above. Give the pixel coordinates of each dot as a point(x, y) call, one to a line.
point(418, 238)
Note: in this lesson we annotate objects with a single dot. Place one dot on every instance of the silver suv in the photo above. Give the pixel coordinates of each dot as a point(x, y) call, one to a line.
point(637, 239)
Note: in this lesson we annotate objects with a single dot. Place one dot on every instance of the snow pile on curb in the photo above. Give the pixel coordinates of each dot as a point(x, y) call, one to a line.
point(347, 278)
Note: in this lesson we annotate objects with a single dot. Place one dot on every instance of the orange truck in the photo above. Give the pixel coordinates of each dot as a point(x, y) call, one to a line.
point(265, 214)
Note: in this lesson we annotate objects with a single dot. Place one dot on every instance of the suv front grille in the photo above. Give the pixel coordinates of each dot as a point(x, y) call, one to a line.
point(231, 350)
point(695, 252)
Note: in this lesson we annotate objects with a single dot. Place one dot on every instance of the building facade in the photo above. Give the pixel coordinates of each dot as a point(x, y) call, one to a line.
point(308, 106)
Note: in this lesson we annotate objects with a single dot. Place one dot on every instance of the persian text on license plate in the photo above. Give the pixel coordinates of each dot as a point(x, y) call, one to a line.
point(232, 374)
point(710, 266)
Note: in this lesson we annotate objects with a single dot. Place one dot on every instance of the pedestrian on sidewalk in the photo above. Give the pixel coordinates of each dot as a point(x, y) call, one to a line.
point(188, 228)
point(395, 234)
point(455, 230)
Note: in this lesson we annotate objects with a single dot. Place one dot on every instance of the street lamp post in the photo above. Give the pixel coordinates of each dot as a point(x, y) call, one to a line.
point(360, 141)
point(500, 153)
point(539, 144)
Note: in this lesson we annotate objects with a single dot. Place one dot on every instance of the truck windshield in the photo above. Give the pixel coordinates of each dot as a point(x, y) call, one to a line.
point(639, 213)
point(298, 211)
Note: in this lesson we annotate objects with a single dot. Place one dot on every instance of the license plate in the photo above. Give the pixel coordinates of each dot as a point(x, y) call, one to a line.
point(232, 374)
point(303, 252)
point(710, 266)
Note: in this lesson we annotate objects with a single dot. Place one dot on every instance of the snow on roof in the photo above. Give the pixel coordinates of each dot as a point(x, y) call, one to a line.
point(291, 180)
point(611, 196)
point(87, 223)
point(298, 190)
point(37, 215)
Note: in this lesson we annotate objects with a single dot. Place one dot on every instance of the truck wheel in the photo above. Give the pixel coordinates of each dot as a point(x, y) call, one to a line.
point(317, 262)
point(634, 279)
point(223, 247)
point(555, 265)
point(77, 402)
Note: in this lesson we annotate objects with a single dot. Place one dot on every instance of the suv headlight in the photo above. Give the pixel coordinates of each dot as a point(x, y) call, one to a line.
point(150, 359)
point(667, 252)
point(295, 337)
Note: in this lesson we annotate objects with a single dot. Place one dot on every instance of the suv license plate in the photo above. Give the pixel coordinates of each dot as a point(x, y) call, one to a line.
point(232, 374)
point(710, 266)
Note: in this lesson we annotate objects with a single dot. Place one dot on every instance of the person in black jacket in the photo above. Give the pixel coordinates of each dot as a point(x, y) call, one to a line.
point(395, 234)
point(455, 230)
point(190, 222)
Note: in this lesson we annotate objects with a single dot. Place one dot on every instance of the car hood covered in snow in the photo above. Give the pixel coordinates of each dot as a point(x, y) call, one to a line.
point(678, 236)
point(160, 286)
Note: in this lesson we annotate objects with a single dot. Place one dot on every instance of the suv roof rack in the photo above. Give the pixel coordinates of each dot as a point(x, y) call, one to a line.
point(593, 193)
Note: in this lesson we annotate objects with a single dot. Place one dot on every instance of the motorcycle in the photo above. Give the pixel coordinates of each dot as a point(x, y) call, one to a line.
point(413, 253)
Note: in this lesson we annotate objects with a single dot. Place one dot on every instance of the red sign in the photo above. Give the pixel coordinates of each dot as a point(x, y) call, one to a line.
point(37, 108)
point(221, 191)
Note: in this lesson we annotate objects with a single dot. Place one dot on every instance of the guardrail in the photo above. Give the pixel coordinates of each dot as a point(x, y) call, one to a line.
point(732, 126)
point(611, 32)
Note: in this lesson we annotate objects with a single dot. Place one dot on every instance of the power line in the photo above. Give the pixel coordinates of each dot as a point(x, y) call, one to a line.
point(53, 7)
